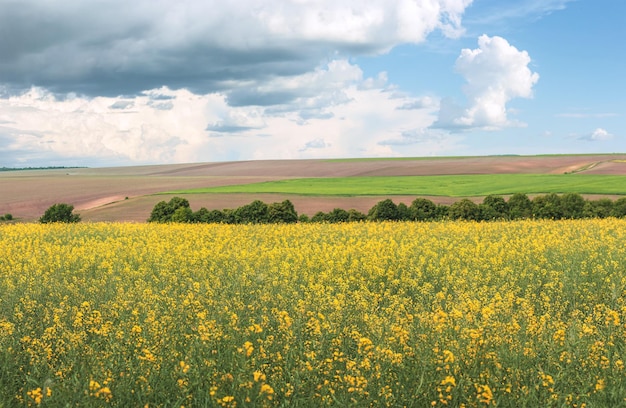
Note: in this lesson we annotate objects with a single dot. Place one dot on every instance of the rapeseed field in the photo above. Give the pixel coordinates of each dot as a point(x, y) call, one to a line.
point(459, 314)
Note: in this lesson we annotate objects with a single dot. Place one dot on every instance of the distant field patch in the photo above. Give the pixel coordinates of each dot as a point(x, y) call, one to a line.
point(451, 186)
point(442, 158)
point(373, 159)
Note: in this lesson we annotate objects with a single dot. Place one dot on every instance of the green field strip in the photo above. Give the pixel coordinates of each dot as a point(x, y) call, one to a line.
point(448, 185)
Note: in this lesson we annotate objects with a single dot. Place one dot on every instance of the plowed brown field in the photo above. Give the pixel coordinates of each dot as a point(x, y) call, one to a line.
point(125, 193)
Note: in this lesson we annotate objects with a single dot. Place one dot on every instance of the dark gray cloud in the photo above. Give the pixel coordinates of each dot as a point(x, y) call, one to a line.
point(421, 103)
point(315, 144)
point(169, 105)
point(228, 128)
point(247, 97)
point(122, 105)
point(155, 96)
point(115, 47)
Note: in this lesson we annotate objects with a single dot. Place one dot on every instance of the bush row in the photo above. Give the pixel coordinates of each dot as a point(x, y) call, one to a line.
point(257, 212)
point(493, 207)
point(6, 217)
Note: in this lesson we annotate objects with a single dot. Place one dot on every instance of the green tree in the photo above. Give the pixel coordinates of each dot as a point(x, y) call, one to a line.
point(182, 214)
point(283, 212)
point(572, 205)
point(200, 216)
point(441, 212)
point(494, 207)
point(228, 216)
point(216, 217)
point(600, 208)
point(356, 216)
point(163, 211)
point(59, 213)
point(404, 214)
point(520, 206)
point(257, 212)
point(319, 216)
point(205, 216)
point(547, 207)
point(337, 215)
point(385, 210)
point(464, 209)
point(178, 202)
point(619, 208)
point(422, 209)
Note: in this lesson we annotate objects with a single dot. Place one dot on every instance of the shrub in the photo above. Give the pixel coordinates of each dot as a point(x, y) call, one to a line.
point(465, 209)
point(520, 206)
point(384, 210)
point(319, 216)
point(547, 207)
point(257, 212)
point(356, 216)
point(601, 208)
point(619, 208)
point(572, 205)
point(182, 214)
point(59, 213)
point(201, 216)
point(494, 207)
point(338, 215)
point(404, 214)
point(441, 212)
point(164, 211)
point(422, 209)
point(282, 212)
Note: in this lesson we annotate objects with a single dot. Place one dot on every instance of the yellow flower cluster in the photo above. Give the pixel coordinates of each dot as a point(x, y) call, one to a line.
point(528, 313)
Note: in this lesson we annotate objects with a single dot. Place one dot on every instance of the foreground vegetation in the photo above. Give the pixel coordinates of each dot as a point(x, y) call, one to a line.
point(510, 314)
point(448, 185)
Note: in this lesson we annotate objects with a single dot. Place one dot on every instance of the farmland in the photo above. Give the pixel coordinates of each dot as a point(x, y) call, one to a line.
point(526, 313)
point(450, 186)
point(129, 193)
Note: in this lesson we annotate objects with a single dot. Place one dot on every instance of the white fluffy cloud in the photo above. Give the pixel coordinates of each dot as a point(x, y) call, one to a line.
point(495, 73)
point(597, 135)
point(158, 126)
point(332, 111)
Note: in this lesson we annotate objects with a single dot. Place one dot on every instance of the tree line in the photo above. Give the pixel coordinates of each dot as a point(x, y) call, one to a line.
point(493, 207)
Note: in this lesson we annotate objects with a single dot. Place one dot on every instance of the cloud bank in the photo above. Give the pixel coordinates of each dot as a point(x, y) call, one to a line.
point(331, 112)
point(112, 82)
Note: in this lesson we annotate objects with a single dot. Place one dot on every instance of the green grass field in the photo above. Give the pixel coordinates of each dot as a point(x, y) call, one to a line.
point(451, 186)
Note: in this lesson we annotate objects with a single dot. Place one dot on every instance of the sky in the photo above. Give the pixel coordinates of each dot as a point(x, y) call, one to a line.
point(111, 83)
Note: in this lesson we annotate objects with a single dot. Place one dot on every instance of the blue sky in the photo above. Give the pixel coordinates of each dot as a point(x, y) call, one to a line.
point(116, 83)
